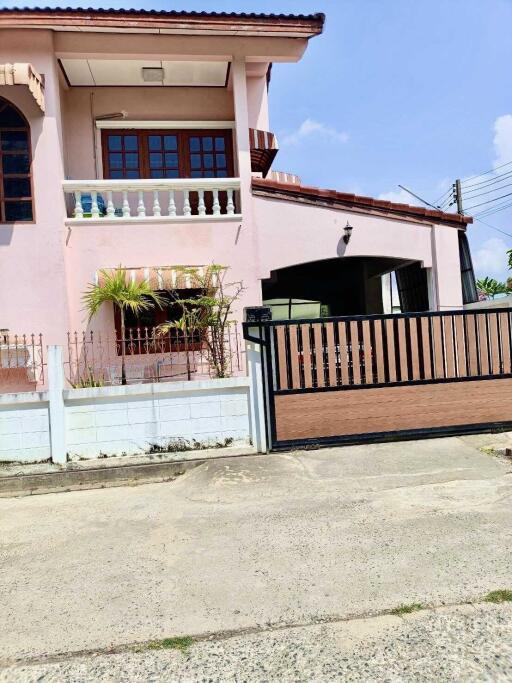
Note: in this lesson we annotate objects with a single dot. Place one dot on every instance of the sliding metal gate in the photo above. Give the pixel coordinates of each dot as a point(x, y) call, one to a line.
point(371, 378)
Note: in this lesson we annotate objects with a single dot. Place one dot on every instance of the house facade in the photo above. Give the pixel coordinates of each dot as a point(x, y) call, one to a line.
point(142, 139)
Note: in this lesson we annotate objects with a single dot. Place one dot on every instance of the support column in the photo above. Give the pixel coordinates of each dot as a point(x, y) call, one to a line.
point(257, 409)
point(56, 405)
point(248, 228)
point(446, 278)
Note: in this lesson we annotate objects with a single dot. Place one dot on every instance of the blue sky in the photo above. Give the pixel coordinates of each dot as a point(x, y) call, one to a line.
point(416, 92)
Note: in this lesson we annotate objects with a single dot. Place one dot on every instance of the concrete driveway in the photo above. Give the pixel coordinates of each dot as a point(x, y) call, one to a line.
point(243, 543)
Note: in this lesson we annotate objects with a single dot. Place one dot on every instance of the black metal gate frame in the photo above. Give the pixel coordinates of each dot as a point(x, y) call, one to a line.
point(263, 338)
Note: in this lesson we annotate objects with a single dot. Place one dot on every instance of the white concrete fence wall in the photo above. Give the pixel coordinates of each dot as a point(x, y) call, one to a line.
point(126, 420)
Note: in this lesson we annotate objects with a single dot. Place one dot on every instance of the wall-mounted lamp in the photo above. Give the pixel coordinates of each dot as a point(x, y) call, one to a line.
point(348, 232)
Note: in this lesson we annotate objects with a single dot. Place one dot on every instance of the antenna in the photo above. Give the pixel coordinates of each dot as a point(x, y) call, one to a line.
point(424, 201)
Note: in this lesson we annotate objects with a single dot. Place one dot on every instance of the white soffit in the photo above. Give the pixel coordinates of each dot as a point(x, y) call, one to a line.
point(114, 72)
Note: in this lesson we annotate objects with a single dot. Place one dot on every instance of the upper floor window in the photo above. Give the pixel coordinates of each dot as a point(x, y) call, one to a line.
point(15, 165)
point(167, 154)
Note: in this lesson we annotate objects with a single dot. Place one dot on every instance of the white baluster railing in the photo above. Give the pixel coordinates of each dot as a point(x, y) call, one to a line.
point(146, 200)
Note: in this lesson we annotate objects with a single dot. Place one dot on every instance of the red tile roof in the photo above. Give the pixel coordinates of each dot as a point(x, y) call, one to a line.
point(345, 200)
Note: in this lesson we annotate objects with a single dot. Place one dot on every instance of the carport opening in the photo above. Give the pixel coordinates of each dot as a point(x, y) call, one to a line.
point(346, 286)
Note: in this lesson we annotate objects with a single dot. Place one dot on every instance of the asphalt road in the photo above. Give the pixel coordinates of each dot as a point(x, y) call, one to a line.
point(252, 542)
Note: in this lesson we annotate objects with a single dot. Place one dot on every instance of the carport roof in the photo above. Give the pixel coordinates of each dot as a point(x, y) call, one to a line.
point(344, 200)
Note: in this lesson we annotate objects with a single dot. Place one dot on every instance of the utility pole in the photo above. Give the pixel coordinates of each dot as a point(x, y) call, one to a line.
point(458, 196)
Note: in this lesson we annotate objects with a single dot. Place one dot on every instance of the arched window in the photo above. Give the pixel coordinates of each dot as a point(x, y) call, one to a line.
point(15, 164)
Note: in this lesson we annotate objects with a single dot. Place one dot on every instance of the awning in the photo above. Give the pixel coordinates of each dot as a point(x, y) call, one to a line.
point(24, 74)
point(264, 148)
point(165, 277)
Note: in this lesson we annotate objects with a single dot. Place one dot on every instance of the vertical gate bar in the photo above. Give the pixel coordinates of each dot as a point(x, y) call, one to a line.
point(306, 356)
point(319, 354)
point(402, 350)
point(494, 344)
point(437, 336)
point(356, 355)
point(379, 352)
point(390, 334)
point(425, 338)
point(367, 353)
point(415, 353)
point(281, 353)
point(449, 346)
point(460, 346)
point(472, 344)
point(331, 353)
point(505, 342)
point(483, 346)
point(294, 357)
point(343, 351)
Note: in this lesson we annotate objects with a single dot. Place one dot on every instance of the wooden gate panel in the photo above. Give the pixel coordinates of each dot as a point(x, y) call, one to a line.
point(355, 412)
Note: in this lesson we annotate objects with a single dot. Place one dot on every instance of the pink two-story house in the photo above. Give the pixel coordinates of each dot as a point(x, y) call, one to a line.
point(142, 138)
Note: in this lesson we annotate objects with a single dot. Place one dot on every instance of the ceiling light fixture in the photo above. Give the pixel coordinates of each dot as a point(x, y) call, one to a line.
point(152, 74)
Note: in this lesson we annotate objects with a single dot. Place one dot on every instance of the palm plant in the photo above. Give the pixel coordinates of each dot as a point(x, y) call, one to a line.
point(490, 287)
point(117, 288)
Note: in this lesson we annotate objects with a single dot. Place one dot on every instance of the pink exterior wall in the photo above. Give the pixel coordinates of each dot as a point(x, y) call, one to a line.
point(32, 267)
point(46, 266)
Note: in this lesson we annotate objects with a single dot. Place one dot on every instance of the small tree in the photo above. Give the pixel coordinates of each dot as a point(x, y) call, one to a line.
point(490, 287)
point(117, 288)
point(209, 314)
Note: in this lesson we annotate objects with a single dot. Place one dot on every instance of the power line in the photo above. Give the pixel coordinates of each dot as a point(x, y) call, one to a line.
point(509, 194)
point(492, 210)
point(492, 170)
point(424, 201)
point(493, 227)
point(496, 189)
point(492, 181)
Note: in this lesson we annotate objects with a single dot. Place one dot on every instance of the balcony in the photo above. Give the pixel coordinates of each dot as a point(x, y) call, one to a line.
point(152, 201)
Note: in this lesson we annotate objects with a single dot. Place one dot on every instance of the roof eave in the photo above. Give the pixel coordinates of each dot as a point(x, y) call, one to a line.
point(299, 26)
point(341, 200)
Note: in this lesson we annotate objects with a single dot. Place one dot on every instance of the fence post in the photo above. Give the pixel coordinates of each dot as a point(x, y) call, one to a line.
point(56, 404)
point(257, 409)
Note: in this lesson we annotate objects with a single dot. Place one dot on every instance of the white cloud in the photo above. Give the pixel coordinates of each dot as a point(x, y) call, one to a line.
point(503, 139)
point(309, 128)
point(491, 259)
point(400, 196)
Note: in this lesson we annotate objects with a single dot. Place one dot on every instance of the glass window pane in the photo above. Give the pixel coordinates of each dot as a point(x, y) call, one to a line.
point(209, 174)
point(222, 174)
point(14, 140)
point(132, 160)
point(155, 143)
point(10, 118)
point(116, 174)
point(171, 142)
point(195, 145)
point(172, 173)
point(171, 160)
point(155, 160)
point(220, 160)
point(208, 160)
point(132, 174)
point(114, 143)
point(16, 187)
point(219, 144)
point(195, 160)
point(157, 173)
point(131, 143)
point(115, 160)
point(18, 211)
point(15, 163)
point(196, 174)
point(207, 144)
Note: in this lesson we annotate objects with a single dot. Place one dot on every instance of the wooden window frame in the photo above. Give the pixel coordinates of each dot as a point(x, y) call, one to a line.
point(29, 176)
point(183, 135)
